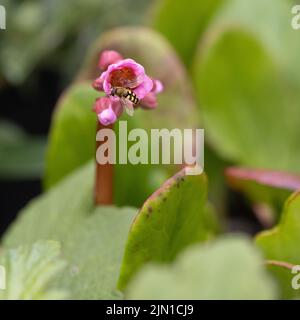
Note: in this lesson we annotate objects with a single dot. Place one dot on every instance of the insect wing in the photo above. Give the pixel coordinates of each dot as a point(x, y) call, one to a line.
point(133, 83)
point(128, 106)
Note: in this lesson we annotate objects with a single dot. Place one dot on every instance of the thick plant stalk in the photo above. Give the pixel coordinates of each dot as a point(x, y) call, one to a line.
point(103, 193)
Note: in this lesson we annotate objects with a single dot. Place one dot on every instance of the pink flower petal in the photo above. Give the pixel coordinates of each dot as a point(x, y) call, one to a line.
point(102, 104)
point(272, 178)
point(124, 73)
point(108, 110)
point(158, 86)
point(109, 57)
point(137, 69)
point(98, 84)
point(144, 88)
point(117, 107)
point(149, 101)
point(107, 117)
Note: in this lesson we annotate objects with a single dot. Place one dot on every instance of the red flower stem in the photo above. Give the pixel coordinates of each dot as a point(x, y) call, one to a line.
point(282, 264)
point(103, 178)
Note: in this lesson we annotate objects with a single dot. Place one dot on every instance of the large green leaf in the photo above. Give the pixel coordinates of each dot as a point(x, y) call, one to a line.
point(247, 81)
point(175, 216)
point(73, 133)
point(72, 138)
point(281, 43)
point(21, 155)
point(189, 20)
point(229, 268)
point(66, 213)
point(94, 251)
point(54, 213)
point(282, 244)
point(29, 271)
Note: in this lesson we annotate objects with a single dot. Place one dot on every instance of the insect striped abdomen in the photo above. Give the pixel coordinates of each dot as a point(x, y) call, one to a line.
point(132, 97)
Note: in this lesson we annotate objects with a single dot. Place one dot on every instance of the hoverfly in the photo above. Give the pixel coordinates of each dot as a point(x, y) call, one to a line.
point(127, 97)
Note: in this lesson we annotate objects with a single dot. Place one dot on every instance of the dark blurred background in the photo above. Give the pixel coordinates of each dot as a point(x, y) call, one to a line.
point(29, 107)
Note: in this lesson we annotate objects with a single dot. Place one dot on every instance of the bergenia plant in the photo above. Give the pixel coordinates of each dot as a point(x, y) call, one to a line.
point(128, 75)
point(127, 87)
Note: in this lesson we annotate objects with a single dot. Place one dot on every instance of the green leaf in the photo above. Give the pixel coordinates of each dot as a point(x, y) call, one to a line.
point(29, 270)
point(243, 91)
point(94, 250)
point(252, 93)
point(73, 130)
point(253, 19)
point(21, 155)
point(72, 140)
point(194, 18)
point(56, 212)
point(229, 268)
point(254, 72)
point(243, 61)
point(282, 244)
point(66, 213)
point(175, 216)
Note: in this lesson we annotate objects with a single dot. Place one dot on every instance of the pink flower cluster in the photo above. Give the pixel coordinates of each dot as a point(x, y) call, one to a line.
point(119, 72)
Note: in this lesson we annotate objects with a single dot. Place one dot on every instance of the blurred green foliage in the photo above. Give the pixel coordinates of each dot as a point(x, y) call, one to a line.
point(247, 81)
point(72, 137)
point(56, 33)
point(184, 23)
point(282, 244)
point(228, 268)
